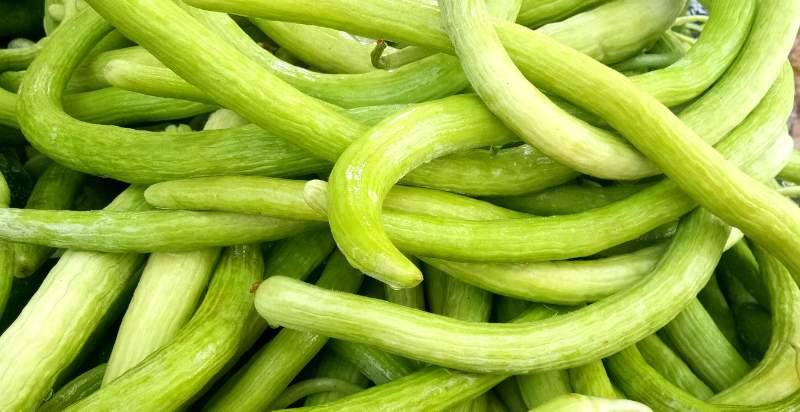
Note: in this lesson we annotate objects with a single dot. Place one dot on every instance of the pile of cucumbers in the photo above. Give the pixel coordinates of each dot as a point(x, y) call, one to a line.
point(399, 205)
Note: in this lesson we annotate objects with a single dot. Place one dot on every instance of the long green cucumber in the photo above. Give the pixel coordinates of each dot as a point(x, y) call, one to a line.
point(156, 313)
point(369, 167)
point(55, 189)
point(284, 198)
point(581, 403)
point(145, 231)
point(716, 305)
point(273, 368)
point(754, 327)
point(111, 106)
point(468, 303)
point(83, 285)
point(568, 198)
point(75, 390)
point(535, 12)
point(695, 336)
point(662, 358)
point(311, 387)
point(330, 366)
point(591, 379)
point(412, 392)
point(606, 328)
point(329, 50)
point(643, 383)
point(6, 251)
point(173, 375)
point(776, 376)
point(380, 367)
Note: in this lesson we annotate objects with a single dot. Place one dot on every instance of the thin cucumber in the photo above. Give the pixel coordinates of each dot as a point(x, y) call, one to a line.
point(317, 386)
point(173, 375)
point(776, 375)
point(111, 106)
point(380, 367)
point(605, 325)
point(329, 366)
point(329, 50)
point(272, 369)
point(662, 358)
point(568, 198)
point(754, 327)
point(468, 303)
point(591, 379)
point(144, 231)
point(6, 252)
point(539, 388)
point(714, 302)
point(536, 12)
point(792, 170)
point(80, 387)
point(83, 285)
point(55, 189)
point(705, 348)
point(156, 312)
point(284, 198)
point(581, 403)
point(412, 392)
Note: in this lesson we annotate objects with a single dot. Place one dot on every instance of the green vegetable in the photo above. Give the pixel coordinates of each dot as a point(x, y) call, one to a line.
point(171, 376)
point(82, 386)
point(331, 51)
point(411, 393)
point(84, 286)
point(302, 389)
point(591, 380)
point(684, 268)
point(705, 348)
point(366, 170)
point(776, 376)
point(55, 189)
point(754, 326)
point(330, 366)
point(534, 12)
point(580, 403)
point(6, 252)
point(662, 358)
point(568, 198)
point(714, 302)
point(380, 367)
point(272, 369)
point(156, 312)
